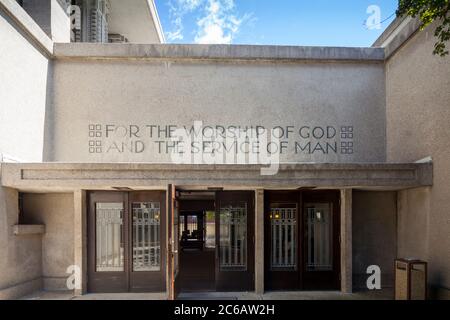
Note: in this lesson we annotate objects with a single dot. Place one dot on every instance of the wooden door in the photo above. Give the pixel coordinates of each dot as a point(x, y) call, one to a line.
point(235, 241)
point(147, 245)
point(108, 245)
point(174, 243)
point(283, 243)
point(126, 241)
point(321, 234)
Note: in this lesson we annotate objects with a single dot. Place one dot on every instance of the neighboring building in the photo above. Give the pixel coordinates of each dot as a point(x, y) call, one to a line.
point(94, 173)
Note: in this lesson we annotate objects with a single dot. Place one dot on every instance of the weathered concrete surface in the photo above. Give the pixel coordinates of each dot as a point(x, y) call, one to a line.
point(346, 242)
point(398, 33)
point(56, 212)
point(80, 237)
point(374, 235)
point(259, 241)
point(144, 93)
point(60, 176)
point(413, 215)
point(20, 256)
point(418, 117)
point(21, 230)
point(217, 52)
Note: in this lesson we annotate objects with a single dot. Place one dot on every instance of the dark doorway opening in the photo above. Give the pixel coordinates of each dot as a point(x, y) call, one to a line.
point(197, 241)
point(216, 247)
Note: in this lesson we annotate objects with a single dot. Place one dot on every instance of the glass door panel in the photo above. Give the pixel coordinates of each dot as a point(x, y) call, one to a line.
point(107, 232)
point(109, 237)
point(319, 224)
point(146, 236)
point(147, 241)
point(210, 233)
point(233, 237)
point(234, 232)
point(283, 228)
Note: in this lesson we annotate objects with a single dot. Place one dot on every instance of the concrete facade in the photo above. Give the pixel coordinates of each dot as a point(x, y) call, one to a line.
point(56, 212)
point(19, 252)
point(137, 92)
point(374, 235)
point(58, 98)
point(414, 99)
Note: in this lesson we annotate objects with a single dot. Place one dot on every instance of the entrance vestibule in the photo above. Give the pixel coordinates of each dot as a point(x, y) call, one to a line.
point(216, 241)
point(197, 241)
point(211, 240)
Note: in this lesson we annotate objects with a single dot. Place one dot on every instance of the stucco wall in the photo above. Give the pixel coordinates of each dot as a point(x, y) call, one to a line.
point(413, 223)
point(56, 212)
point(24, 74)
point(374, 235)
point(418, 118)
point(228, 93)
point(20, 256)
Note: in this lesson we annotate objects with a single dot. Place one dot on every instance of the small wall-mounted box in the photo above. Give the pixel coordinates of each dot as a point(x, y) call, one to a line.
point(25, 230)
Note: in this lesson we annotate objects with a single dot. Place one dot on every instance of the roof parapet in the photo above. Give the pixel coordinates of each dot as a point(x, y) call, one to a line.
point(217, 52)
point(397, 34)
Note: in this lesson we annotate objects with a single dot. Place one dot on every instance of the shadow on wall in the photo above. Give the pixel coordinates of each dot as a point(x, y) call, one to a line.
point(374, 236)
point(49, 119)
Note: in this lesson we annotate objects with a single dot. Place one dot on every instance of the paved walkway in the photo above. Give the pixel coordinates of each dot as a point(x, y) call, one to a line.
point(295, 295)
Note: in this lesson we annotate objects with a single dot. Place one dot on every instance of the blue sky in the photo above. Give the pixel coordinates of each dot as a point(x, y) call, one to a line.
point(275, 22)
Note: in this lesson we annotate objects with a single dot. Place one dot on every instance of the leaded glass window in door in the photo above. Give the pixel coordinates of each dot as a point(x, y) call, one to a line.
point(319, 228)
point(146, 236)
point(283, 227)
point(109, 237)
point(233, 237)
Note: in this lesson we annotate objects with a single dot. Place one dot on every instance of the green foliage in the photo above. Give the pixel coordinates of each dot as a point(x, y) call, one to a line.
point(429, 11)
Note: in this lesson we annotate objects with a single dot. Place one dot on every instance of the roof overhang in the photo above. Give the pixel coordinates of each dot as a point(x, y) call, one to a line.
point(137, 20)
point(57, 177)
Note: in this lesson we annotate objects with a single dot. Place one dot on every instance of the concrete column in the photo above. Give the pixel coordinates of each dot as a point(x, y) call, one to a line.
point(80, 238)
point(346, 241)
point(259, 241)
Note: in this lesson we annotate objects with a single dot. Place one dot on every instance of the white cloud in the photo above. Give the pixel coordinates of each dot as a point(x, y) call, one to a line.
point(177, 10)
point(220, 24)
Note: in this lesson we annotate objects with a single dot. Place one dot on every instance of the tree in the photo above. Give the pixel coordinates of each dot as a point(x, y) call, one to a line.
point(429, 11)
